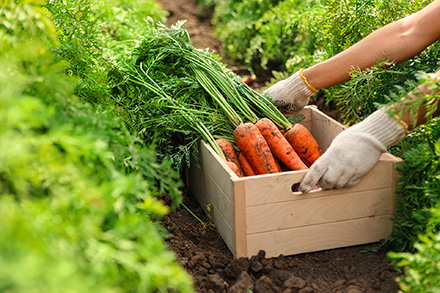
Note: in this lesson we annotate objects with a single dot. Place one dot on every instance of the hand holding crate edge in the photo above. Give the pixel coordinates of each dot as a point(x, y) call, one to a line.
point(368, 138)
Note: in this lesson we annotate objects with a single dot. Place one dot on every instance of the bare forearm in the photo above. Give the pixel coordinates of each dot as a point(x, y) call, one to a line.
point(424, 90)
point(395, 42)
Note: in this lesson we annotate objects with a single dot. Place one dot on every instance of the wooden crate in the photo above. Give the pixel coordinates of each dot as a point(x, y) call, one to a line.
point(263, 213)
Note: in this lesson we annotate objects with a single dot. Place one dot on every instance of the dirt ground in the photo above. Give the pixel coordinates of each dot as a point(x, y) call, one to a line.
point(204, 255)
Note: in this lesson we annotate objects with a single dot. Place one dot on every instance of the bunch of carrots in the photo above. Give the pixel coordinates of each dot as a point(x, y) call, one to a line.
point(263, 149)
point(252, 135)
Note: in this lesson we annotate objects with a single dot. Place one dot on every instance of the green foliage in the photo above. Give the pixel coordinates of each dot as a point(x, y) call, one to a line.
point(344, 23)
point(281, 35)
point(126, 20)
point(265, 34)
point(17, 20)
point(399, 103)
point(418, 191)
point(359, 97)
point(92, 33)
point(235, 24)
point(155, 89)
point(421, 268)
point(82, 42)
point(78, 192)
point(377, 85)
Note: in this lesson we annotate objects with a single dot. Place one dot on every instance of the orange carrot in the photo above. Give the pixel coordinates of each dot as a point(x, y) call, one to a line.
point(235, 168)
point(245, 165)
point(303, 143)
point(282, 166)
point(279, 145)
point(229, 152)
point(253, 145)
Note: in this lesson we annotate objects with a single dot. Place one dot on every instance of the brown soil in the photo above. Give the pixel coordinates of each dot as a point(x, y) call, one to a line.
point(202, 252)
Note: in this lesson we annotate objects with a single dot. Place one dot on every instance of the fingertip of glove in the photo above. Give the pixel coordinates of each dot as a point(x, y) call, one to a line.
point(352, 182)
point(305, 188)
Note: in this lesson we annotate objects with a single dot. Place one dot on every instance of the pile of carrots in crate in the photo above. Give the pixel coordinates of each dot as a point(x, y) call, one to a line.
point(264, 149)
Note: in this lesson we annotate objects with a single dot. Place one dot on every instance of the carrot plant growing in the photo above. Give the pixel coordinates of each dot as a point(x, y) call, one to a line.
point(420, 267)
point(79, 193)
point(415, 236)
point(416, 193)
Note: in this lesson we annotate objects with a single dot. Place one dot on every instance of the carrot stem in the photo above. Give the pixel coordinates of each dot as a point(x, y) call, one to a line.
point(208, 85)
point(192, 121)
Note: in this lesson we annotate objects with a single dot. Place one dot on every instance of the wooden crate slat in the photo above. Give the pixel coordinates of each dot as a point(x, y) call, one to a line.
point(222, 213)
point(240, 221)
point(218, 169)
point(208, 185)
point(312, 211)
point(276, 188)
point(324, 128)
point(212, 193)
point(320, 237)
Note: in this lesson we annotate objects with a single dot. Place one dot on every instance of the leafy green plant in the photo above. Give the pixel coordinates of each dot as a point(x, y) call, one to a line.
point(160, 98)
point(421, 271)
point(93, 33)
point(416, 192)
point(82, 45)
point(124, 20)
point(398, 102)
point(281, 35)
point(235, 24)
point(263, 35)
point(360, 96)
point(79, 194)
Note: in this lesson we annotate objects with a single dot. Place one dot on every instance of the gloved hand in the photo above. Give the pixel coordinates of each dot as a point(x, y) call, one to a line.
point(354, 152)
point(291, 94)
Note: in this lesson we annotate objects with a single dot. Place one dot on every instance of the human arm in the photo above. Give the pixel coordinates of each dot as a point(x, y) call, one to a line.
point(396, 42)
point(414, 114)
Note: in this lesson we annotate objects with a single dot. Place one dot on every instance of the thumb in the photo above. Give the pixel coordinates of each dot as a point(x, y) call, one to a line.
point(313, 175)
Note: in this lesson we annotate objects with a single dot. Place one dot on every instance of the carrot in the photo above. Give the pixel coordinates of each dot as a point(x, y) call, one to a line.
point(245, 165)
point(282, 166)
point(229, 152)
point(303, 143)
point(279, 145)
point(253, 145)
point(235, 168)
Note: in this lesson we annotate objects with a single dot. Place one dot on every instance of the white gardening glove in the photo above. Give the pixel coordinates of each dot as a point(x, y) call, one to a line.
point(354, 152)
point(291, 94)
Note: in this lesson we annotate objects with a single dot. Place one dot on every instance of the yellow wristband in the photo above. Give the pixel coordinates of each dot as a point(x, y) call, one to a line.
point(306, 82)
point(401, 122)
